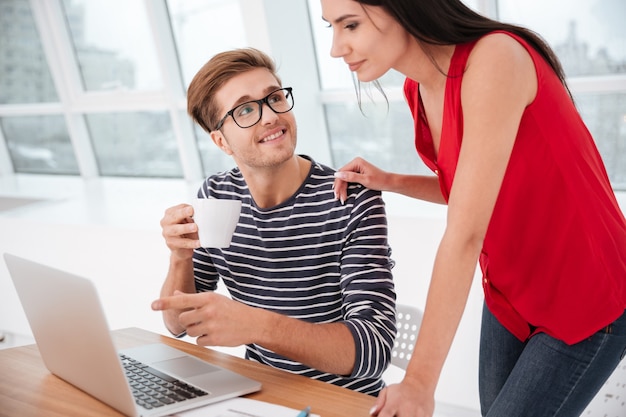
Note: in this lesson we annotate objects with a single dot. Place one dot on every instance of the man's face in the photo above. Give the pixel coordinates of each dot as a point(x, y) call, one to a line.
point(268, 143)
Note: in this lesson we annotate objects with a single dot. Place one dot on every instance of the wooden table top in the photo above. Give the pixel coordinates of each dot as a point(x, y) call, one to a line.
point(27, 388)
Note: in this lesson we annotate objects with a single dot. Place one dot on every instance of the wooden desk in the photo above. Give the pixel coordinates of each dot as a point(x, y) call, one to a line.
point(27, 388)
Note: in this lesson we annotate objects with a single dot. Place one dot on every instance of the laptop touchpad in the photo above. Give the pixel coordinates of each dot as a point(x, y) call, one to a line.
point(185, 367)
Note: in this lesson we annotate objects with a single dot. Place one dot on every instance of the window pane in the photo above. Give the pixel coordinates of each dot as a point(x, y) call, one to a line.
point(590, 40)
point(589, 36)
point(202, 28)
point(113, 44)
point(605, 116)
point(24, 73)
point(213, 159)
point(135, 144)
point(334, 73)
point(39, 145)
point(383, 137)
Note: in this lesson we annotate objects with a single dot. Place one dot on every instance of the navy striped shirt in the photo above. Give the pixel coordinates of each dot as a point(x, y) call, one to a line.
point(313, 259)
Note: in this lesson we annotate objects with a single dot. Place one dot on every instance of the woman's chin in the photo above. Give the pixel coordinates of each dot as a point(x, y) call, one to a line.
point(367, 77)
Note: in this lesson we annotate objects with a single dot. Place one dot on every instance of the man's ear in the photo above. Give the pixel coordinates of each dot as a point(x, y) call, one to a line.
point(220, 141)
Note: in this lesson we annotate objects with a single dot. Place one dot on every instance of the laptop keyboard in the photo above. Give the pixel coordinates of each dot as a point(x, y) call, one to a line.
point(152, 388)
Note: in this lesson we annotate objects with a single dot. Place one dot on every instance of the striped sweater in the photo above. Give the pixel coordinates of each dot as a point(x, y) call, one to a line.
point(313, 259)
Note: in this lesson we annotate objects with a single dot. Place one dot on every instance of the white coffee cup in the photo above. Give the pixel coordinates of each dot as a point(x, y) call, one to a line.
point(216, 220)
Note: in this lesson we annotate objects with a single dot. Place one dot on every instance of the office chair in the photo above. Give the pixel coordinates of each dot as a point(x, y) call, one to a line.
point(409, 319)
point(611, 399)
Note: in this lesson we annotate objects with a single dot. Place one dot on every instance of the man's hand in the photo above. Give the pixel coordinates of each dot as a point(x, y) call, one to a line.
point(179, 231)
point(215, 320)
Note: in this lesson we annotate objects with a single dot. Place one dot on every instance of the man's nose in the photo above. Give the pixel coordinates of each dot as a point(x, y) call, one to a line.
point(268, 116)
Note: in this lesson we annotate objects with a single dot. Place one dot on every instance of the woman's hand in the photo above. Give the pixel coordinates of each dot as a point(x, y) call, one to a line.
point(360, 171)
point(407, 399)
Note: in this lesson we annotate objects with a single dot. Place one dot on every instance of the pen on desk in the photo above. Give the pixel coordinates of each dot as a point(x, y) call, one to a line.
point(304, 413)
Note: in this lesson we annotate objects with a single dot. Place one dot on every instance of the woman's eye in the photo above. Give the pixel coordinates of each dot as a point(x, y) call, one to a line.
point(351, 26)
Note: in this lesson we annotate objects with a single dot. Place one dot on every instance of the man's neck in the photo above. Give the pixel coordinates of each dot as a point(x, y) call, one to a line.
point(272, 186)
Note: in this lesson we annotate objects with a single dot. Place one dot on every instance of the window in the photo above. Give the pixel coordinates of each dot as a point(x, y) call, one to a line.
point(590, 41)
point(39, 144)
point(605, 116)
point(135, 144)
point(589, 38)
point(121, 67)
point(24, 73)
point(213, 159)
point(98, 88)
point(203, 28)
point(113, 44)
point(380, 132)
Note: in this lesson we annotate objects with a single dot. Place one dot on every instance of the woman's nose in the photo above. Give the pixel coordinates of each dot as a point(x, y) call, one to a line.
point(337, 48)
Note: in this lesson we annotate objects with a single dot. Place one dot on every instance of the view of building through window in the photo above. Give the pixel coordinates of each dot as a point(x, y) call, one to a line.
point(24, 73)
point(190, 24)
point(98, 74)
point(39, 144)
point(113, 44)
point(590, 41)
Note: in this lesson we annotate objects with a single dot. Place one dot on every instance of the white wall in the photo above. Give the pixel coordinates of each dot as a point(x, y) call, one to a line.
point(414, 232)
point(126, 266)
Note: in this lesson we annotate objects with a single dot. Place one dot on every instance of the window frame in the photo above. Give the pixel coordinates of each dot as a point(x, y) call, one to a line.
point(266, 24)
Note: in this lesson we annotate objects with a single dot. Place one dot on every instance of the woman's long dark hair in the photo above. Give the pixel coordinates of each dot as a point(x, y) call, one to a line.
point(449, 22)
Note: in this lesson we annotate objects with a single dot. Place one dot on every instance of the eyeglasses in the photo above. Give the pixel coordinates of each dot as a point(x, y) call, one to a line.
point(249, 113)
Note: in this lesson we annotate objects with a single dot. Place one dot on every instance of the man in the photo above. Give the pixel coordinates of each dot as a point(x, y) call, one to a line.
point(310, 277)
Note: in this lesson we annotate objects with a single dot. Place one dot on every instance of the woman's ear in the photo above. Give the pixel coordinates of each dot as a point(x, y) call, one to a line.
point(220, 141)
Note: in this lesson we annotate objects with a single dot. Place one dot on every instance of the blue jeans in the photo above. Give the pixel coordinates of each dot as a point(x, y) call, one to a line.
point(544, 376)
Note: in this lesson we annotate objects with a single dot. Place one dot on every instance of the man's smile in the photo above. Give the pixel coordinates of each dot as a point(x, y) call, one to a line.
point(272, 137)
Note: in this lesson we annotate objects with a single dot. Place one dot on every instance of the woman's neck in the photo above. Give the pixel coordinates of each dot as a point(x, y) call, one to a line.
point(427, 64)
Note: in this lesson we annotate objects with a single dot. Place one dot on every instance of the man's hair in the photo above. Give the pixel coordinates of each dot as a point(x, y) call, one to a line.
point(201, 104)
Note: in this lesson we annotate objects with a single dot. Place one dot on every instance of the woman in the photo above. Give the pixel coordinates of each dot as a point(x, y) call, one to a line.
point(528, 198)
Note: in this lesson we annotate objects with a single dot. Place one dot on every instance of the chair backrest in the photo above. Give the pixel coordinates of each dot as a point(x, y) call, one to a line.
point(409, 319)
point(609, 401)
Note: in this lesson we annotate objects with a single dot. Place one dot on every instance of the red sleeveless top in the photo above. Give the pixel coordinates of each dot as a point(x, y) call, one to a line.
point(554, 255)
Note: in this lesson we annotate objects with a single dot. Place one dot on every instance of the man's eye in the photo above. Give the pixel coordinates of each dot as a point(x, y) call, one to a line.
point(244, 110)
point(275, 98)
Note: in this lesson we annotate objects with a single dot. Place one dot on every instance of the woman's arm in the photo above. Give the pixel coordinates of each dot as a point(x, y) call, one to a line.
point(360, 171)
point(499, 82)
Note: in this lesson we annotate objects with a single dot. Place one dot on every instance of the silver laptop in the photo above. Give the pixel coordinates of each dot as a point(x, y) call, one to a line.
point(70, 328)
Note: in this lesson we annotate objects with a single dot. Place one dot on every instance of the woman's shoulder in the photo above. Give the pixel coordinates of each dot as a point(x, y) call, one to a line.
point(504, 54)
point(500, 45)
point(499, 74)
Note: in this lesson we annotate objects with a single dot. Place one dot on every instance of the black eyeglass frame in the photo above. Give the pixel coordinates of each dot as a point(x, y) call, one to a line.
point(260, 103)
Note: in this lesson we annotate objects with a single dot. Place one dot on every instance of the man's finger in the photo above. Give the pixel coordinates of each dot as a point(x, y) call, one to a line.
point(178, 302)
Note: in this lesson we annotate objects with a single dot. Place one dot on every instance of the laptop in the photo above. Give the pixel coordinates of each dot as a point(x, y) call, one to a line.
point(73, 337)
